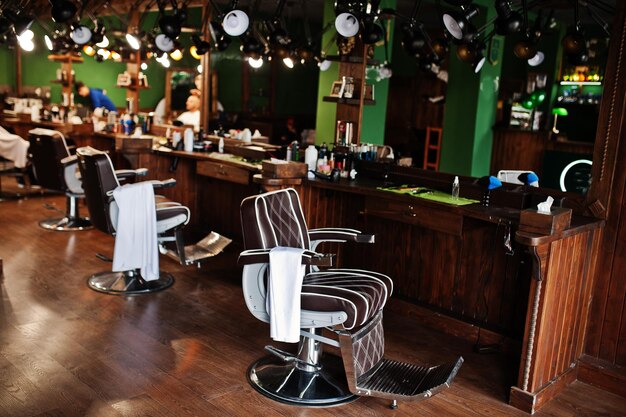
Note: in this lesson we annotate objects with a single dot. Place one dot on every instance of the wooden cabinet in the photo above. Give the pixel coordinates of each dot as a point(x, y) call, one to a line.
point(223, 172)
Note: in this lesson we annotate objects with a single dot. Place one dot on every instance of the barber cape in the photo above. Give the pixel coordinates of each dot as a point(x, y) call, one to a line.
point(136, 243)
point(13, 148)
point(283, 293)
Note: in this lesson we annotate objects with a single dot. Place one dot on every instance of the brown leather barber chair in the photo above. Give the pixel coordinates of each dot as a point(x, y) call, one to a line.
point(57, 170)
point(99, 180)
point(346, 302)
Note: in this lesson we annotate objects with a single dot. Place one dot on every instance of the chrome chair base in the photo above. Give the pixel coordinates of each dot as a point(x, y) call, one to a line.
point(66, 224)
point(128, 283)
point(287, 383)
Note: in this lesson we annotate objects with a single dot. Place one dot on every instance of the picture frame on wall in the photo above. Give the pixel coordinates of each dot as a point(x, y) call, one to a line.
point(337, 89)
point(369, 92)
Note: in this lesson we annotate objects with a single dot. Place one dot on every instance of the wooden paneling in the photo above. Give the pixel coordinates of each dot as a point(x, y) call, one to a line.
point(518, 149)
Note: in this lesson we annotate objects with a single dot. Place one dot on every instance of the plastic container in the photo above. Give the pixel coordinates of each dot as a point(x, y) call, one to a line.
point(310, 157)
point(188, 140)
point(455, 188)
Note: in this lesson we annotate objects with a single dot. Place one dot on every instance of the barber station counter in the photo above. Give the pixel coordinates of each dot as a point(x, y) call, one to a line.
point(451, 267)
point(452, 270)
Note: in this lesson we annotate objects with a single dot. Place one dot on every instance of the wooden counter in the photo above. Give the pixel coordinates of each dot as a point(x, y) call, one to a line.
point(452, 260)
point(450, 266)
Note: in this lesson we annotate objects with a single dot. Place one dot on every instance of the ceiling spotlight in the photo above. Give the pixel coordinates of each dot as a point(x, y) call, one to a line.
point(48, 42)
point(80, 34)
point(133, 41)
point(170, 25)
point(164, 60)
point(347, 25)
point(236, 22)
point(88, 50)
point(177, 54)
point(104, 43)
point(199, 47)
point(251, 47)
point(143, 66)
point(525, 48)
point(255, 63)
point(104, 53)
point(537, 59)
point(413, 40)
point(478, 62)
point(115, 56)
point(324, 65)
point(220, 40)
point(371, 32)
point(25, 40)
point(574, 42)
point(457, 23)
point(62, 10)
point(288, 62)
point(200, 68)
point(305, 53)
point(21, 23)
point(508, 20)
point(163, 43)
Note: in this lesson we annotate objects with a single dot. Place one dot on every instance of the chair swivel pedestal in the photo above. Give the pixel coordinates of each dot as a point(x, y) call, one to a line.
point(128, 282)
point(72, 220)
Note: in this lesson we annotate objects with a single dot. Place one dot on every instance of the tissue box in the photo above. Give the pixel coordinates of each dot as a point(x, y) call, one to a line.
point(533, 221)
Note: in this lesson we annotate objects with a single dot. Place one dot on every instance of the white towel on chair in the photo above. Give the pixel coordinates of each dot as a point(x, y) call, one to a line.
point(13, 148)
point(283, 293)
point(136, 232)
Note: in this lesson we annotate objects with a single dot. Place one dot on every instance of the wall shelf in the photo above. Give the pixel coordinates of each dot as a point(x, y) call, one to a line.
point(354, 101)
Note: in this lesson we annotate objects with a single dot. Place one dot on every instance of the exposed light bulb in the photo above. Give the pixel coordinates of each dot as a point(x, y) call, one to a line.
point(48, 41)
point(115, 56)
point(88, 50)
point(288, 62)
point(133, 42)
point(176, 54)
point(193, 50)
point(104, 43)
point(104, 53)
point(25, 40)
point(255, 63)
point(144, 66)
point(200, 69)
point(324, 65)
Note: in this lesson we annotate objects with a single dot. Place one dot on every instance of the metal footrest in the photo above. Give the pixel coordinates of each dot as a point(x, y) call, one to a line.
point(128, 283)
point(369, 373)
point(66, 224)
point(211, 245)
point(397, 380)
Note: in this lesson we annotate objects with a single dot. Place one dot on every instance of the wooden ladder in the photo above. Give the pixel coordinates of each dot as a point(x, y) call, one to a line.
point(432, 143)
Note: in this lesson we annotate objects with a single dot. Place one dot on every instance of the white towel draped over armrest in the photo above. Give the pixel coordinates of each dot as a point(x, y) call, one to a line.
point(13, 148)
point(283, 293)
point(136, 243)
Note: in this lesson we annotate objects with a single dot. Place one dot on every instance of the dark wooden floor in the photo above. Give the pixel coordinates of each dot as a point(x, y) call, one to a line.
point(68, 351)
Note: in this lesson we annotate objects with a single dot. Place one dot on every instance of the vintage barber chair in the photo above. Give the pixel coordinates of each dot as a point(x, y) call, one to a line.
point(346, 302)
point(55, 169)
point(99, 180)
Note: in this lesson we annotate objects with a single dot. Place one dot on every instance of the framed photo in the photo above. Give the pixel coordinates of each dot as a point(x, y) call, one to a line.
point(123, 79)
point(337, 89)
point(369, 92)
point(495, 50)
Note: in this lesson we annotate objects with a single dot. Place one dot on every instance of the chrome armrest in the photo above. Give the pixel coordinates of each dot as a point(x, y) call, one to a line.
point(262, 256)
point(335, 234)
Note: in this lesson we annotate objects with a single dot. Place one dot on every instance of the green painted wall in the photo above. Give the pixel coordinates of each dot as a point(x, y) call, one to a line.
point(373, 123)
point(470, 112)
point(7, 67)
point(326, 112)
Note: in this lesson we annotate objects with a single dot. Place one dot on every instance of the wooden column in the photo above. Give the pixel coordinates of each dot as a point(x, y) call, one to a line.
point(207, 91)
point(18, 70)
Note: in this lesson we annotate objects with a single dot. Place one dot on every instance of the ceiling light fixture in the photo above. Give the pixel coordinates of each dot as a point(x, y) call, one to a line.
point(255, 63)
point(80, 34)
point(62, 10)
point(508, 21)
point(457, 23)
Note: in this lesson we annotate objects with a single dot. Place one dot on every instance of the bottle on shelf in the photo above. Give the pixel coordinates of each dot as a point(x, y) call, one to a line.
point(455, 188)
point(310, 157)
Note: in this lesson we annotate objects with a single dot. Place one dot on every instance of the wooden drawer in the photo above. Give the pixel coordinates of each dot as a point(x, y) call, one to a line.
point(416, 214)
point(223, 172)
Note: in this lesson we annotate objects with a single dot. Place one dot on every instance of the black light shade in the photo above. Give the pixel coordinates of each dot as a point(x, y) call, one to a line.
point(525, 48)
point(62, 10)
point(170, 26)
point(466, 52)
point(578, 59)
point(371, 31)
point(574, 42)
point(251, 47)
point(413, 40)
point(202, 47)
point(508, 20)
point(220, 40)
point(457, 23)
point(21, 23)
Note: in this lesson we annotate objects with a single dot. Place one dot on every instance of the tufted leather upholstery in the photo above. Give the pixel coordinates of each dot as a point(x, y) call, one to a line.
point(276, 219)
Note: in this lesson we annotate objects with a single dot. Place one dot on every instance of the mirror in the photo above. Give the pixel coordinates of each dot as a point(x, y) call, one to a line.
point(179, 84)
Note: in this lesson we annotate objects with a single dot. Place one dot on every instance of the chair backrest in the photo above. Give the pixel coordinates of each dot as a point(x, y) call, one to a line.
point(98, 178)
point(47, 149)
point(274, 219)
